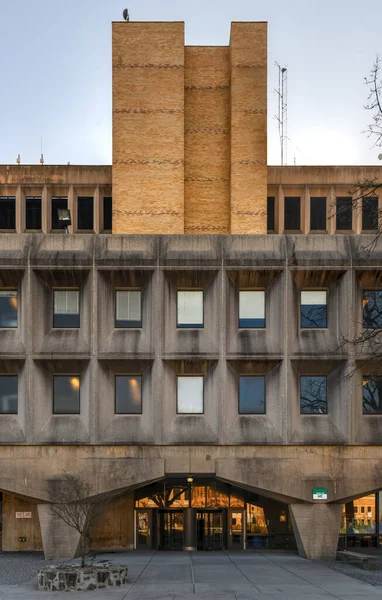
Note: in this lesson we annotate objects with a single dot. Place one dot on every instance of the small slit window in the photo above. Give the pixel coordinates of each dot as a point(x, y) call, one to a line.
point(190, 309)
point(252, 395)
point(190, 395)
point(8, 394)
point(372, 395)
point(33, 213)
point(66, 312)
point(128, 394)
point(58, 202)
point(7, 212)
point(85, 213)
point(372, 309)
point(66, 394)
point(317, 214)
point(8, 308)
point(292, 213)
point(370, 216)
point(344, 213)
point(107, 213)
point(252, 309)
point(270, 213)
point(313, 395)
point(128, 309)
point(314, 309)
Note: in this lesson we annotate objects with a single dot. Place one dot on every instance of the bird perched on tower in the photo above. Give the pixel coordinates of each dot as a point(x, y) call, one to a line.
point(126, 15)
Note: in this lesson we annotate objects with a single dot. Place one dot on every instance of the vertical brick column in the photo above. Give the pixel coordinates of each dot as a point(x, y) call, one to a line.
point(317, 528)
point(248, 52)
point(148, 128)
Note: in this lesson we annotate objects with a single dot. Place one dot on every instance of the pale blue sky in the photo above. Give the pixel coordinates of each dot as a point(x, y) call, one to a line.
point(55, 66)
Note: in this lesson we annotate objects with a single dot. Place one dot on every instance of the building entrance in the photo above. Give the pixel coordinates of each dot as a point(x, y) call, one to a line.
point(170, 530)
point(209, 530)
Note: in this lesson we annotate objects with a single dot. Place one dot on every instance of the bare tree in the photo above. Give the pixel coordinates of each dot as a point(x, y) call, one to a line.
point(74, 503)
point(374, 102)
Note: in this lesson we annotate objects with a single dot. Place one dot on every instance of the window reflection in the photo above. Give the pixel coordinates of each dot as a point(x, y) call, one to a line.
point(256, 522)
point(359, 516)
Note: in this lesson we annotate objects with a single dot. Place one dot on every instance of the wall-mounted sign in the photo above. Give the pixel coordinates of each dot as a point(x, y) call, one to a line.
point(27, 515)
point(19, 515)
point(23, 515)
point(320, 494)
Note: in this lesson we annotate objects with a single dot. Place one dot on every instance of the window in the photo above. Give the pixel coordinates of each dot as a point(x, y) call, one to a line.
point(292, 213)
point(128, 394)
point(313, 395)
point(372, 395)
point(190, 309)
point(58, 202)
point(8, 308)
point(85, 211)
point(252, 395)
point(107, 213)
point(344, 213)
point(270, 214)
point(362, 509)
point(8, 394)
point(252, 309)
point(313, 309)
point(355, 509)
point(7, 212)
point(66, 312)
point(190, 395)
point(317, 214)
point(370, 213)
point(128, 308)
point(372, 309)
point(66, 394)
point(33, 212)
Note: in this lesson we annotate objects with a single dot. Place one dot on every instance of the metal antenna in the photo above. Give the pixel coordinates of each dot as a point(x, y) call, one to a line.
point(282, 116)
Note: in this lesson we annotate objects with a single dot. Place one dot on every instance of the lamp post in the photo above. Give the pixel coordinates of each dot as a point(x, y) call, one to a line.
point(189, 521)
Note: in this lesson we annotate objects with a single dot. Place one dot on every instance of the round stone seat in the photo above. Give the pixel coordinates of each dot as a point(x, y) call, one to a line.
point(73, 577)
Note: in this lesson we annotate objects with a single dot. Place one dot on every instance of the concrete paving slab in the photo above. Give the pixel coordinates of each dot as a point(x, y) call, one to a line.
point(161, 588)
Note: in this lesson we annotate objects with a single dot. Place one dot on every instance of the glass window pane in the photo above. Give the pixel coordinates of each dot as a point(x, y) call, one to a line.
point(7, 212)
point(66, 311)
point(128, 394)
point(370, 213)
point(372, 309)
point(33, 212)
point(8, 394)
point(252, 309)
point(190, 395)
point(270, 214)
point(58, 202)
point(66, 394)
point(317, 214)
point(313, 309)
point(359, 516)
point(85, 210)
point(252, 395)
point(344, 215)
point(128, 308)
point(313, 395)
point(372, 395)
point(107, 213)
point(190, 309)
point(8, 308)
point(292, 216)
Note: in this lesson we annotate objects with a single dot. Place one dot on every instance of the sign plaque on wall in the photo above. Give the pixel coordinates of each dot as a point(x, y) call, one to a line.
point(320, 493)
point(27, 515)
point(19, 515)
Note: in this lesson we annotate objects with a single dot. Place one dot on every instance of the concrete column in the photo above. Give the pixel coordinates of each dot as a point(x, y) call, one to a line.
point(317, 528)
point(58, 539)
point(189, 517)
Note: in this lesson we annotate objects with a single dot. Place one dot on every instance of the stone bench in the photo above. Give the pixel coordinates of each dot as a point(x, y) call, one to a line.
point(356, 557)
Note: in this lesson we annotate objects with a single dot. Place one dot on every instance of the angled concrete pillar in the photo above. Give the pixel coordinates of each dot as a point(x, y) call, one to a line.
point(58, 539)
point(317, 528)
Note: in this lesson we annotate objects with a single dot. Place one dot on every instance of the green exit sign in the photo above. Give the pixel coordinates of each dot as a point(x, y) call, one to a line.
point(320, 494)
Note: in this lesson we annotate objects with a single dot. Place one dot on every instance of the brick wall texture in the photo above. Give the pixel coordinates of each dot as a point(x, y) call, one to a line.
point(189, 131)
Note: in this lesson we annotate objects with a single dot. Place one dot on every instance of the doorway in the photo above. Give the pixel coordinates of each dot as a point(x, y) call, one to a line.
point(236, 529)
point(170, 530)
point(144, 530)
point(209, 530)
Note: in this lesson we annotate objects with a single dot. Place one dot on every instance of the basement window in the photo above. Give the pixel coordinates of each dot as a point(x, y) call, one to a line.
point(8, 308)
point(292, 213)
point(33, 212)
point(252, 395)
point(8, 212)
point(107, 213)
point(313, 395)
point(317, 213)
point(128, 312)
point(66, 394)
point(85, 213)
point(372, 309)
point(66, 312)
point(190, 395)
point(128, 394)
point(8, 394)
point(252, 309)
point(344, 213)
point(370, 215)
point(190, 309)
point(270, 214)
point(314, 309)
point(58, 202)
point(372, 395)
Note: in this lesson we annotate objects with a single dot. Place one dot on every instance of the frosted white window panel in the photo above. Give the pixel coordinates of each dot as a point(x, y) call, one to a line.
point(129, 305)
point(190, 308)
point(313, 297)
point(190, 395)
point(252, 304)
point(66, 302)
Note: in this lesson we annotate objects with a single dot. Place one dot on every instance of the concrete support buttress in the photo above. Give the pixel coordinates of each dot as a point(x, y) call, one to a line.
point(58, 539)
point(317, 528)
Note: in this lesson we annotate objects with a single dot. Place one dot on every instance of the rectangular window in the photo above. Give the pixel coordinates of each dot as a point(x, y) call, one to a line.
point(8, 394)
point(128, 394)
point(317, 214)
point(370, 216)
point(252, 309)
point(85, 213)
point(313, 309)
point(66, 394)
point(190, 395)
point(33, 212)
point(372, 395)
point(8, 308)
point(270, 213)
point(107, 213)
point(313, 395)
point(7, 212)
point(58, 202)
point(66, 311)
point(292, 213)
point(344, 213)
point(252, 395)
point(128, 309)
point(372, 309)
point(190, 309)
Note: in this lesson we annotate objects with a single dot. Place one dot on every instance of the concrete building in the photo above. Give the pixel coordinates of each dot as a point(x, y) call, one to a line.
point(181, 348)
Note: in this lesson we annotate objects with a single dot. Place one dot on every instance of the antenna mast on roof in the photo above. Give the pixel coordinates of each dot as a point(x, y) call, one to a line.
point(282, 116)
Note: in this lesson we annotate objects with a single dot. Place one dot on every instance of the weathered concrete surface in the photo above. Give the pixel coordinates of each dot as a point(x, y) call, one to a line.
point(316, 529)
point(58, 539)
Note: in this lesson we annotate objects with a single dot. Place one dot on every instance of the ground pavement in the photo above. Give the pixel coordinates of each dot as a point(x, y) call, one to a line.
point(209, 576)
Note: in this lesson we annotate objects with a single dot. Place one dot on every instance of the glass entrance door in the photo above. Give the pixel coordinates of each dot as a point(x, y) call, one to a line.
point(209, 530)
point(143, 529)
point(236, 525)
point(170, 530)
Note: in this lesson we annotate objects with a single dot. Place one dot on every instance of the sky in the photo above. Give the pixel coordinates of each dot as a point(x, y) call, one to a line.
point(55, 70)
